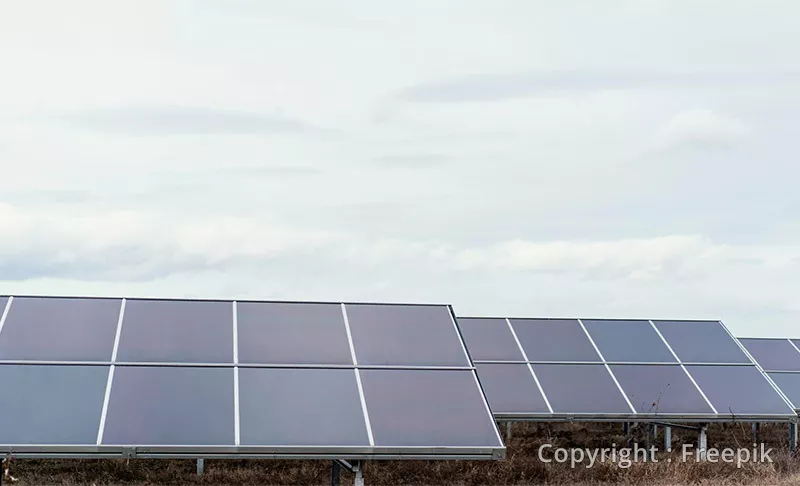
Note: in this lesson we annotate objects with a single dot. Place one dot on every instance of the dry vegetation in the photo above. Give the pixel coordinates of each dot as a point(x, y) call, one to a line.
point(521, 466)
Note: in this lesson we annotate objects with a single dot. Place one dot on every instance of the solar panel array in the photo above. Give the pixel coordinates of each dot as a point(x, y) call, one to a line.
point(89, 376)
point(780, 359)
point(597, 369)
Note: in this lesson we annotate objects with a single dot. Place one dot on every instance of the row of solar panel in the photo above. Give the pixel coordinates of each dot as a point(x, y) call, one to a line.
point(200, 406)
point(202, 332)
point(321, 377)
point(692, 369)
point(598, 341)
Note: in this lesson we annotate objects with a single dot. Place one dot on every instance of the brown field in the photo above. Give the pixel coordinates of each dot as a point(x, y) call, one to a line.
point(521, 466)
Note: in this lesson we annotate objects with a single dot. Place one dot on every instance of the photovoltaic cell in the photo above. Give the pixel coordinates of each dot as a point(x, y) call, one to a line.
point(628, 341)
point(738, 390)
point(701, 342)
point(292, 333)
point(510, 388)
point(660, 389)
point(300, 407)
point(581, 388)
point(155, 405)
point(427, 408)
point(789, 383)
point(422, 335)
point(59, 329)
point(51, 404)
point(773, 354)
point(554, 340)
point(489, 339)
point(177, 331)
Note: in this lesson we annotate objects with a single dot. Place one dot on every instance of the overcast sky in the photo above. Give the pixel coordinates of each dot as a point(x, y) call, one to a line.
point(527, 158)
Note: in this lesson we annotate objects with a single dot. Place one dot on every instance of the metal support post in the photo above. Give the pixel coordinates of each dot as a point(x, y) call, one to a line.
point(358, 469)
point(335, 468)
point(652, 431)
point(792, 435)
point(200, 466)
point(702, 442)
point(668, 438)
point(508, 432)
point(755, 428)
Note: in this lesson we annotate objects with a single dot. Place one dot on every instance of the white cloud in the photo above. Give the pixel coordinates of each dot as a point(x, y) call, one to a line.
point(582, 184)
point(699, 128)
point(130, 245)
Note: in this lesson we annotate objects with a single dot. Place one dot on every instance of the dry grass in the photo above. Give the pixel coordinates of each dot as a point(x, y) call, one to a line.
point(521, 466)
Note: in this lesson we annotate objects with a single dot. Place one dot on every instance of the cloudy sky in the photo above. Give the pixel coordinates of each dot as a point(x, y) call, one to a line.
point(527, 158)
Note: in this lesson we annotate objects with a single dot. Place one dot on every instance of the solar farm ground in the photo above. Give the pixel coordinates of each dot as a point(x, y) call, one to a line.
point(522, 465)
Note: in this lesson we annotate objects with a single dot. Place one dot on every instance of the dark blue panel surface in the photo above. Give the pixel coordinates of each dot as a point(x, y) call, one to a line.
point(292, 333)
point(168, 331)
point(701, 342)
point(155, 405)
point(59, 329)
point(53, 405)
point(659, 389)
point(427, 408)
point(628, 341)
point(588, 389)
point(417, 335)
point(300, 407)
point(489, 339)
point(739, 390)
point(554, 340)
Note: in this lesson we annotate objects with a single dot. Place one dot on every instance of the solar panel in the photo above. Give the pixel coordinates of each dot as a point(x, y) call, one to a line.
point(632, 341)
point(192, 378)
point(554, 340)
point(789, 383)
point(780, 358)
point(773, 354)
point(170, 405)
point(417, 408)
point(738, 390)
point(59, 405)
point(175, 331)
point(522, 398)
point(690, 341)
point(497, 342)
point(660, 389)
point(59, 329)
point(281, 406)
point(612, 369)
point(405, 335)
point(292, 333)
point(581, 389)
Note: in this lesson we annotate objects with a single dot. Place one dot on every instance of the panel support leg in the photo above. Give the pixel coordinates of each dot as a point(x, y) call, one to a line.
point(668, 438)
point(508, 432)
point(755, 428)
point(792, 436)
point(200, 466)
point(335, 469)
point(652, 432)
point(358, 469)
point(702, 442)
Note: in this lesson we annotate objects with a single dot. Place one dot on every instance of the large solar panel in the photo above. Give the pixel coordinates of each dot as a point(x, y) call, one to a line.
point(606, 369)
point(190, 378)
point(780, 360)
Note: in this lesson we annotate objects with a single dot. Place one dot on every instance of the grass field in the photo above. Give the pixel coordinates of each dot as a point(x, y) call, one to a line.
point(522, 465)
